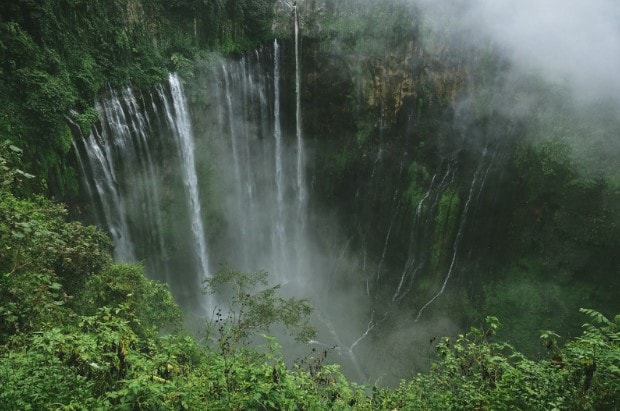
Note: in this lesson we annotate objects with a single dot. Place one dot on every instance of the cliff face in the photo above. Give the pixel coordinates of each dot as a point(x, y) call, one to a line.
point(378, 105)
point(425, 146)
point(374, 88)
point(381, 52)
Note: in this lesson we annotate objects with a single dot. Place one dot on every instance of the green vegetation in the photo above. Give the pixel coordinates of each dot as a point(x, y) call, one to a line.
point(446, 224)
point(255, 307)
point(78, 331)
point(523, 293)
point(419, 181)
point(81, 332)
point(474, 372)
point(354, 26)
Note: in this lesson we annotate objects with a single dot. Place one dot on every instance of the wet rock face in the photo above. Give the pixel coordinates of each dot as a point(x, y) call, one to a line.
point(345, 77)
point(328, 86)
point(375, 107)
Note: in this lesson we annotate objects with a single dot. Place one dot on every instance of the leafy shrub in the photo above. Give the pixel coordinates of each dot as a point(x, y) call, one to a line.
point(147, 304)
point(32, 379)
point(255, 307)
point(42, 257)
point(473, 372)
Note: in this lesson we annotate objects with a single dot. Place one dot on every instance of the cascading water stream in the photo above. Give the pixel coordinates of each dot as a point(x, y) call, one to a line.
point(104, 167)
point(140, 125)
point(456, 244)
point(277, 134)
point(301, 185)
point(396, 202)
point(251, 97)
point(302, 194)
point(76, 129)
point(421, 231)
point(411, 258)
point(186, 146)
point(258, 162)
point(123, 172)
point(236, 134)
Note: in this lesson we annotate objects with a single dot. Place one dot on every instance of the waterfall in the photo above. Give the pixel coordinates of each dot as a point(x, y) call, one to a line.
point(149, 161)
point(126, 163)
point(411, 258)
point(186, 146)
point(257, 167)
point(236, 159)
point(151, 208)
point(186, 187)
point(421, 231)
point(277, 134)
point(301, 186)
point(104, 165)
point(456, 244)
point(396, 202)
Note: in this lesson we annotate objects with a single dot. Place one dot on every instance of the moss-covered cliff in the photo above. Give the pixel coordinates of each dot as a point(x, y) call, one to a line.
point(434, 149)
point(57, 55)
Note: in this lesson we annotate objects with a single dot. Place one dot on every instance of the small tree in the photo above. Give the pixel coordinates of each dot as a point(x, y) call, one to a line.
point(254, 306)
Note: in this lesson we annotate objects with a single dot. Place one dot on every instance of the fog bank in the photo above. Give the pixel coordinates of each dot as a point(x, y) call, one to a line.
point(572, 43)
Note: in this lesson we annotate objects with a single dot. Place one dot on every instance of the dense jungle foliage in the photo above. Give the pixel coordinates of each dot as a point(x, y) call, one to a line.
point(79, 331)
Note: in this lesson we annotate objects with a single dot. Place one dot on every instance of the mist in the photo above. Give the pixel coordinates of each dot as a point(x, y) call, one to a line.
point(569, 43)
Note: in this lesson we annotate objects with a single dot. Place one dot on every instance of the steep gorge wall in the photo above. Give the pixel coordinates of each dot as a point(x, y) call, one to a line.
point(424, 147)
point(380, 112)
point(426, 197)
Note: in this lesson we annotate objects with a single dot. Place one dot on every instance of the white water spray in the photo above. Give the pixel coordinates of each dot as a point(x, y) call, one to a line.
point(186, 146)
point(277, 134)
point(301, 185)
